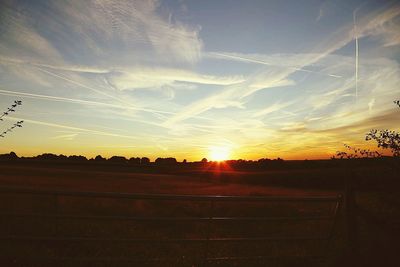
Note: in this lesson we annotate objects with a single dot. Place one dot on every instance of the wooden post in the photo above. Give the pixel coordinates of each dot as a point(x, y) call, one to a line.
point(208, 232)
point(350, 212)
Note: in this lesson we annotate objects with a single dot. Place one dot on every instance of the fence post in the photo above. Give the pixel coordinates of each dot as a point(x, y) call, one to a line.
point(350, 212)
point(208, 234)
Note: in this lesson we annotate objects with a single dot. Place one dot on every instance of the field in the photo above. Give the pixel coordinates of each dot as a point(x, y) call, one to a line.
point(377, 220)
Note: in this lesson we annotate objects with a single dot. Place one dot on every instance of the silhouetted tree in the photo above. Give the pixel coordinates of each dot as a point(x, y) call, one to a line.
point(386, 139)
point(77, 158)
point(204, 160)
point(264, 161)
point(62, 157)
point(145, 161)
point(99, 158)
point(165, 161)
point(118, 159)
point(47, 156)
point(10, 156)
point(135, 161)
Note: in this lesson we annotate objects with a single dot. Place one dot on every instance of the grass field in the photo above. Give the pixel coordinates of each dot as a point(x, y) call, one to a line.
point(378, 210)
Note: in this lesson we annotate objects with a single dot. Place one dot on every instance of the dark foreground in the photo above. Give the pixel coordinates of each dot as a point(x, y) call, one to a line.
point(372, 241)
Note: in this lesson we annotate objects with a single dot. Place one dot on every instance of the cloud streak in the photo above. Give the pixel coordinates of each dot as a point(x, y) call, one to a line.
point(172, 81)
point(334, 42)
point(62, 126)
point(243, 58)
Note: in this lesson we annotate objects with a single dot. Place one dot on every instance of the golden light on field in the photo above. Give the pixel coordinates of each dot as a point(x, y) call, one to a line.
point(219, 153)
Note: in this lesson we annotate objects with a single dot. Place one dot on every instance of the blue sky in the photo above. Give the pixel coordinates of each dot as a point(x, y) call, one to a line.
point(182, 78)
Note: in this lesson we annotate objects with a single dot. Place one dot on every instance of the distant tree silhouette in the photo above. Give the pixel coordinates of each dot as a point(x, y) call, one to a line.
point(264, 160)
point(10, 156)
point(77, 158)
point(165, 161)
point(145, 161)
point(62, 157)
point(204, 160)
point(135, 161)
point(118, 159)
point(47, 156)
point(184, 161)
point(99, 158)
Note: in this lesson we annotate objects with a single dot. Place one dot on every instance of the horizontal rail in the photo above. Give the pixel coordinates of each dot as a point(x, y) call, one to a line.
point(265, 258)
point(163, 240)
point(19, 190)
point(135, 218)
point(177, 259)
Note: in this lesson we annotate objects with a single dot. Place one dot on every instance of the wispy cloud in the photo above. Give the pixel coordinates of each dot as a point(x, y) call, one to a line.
point(132, 70)
point(233, 95)
point(273, 108)
point(158, 77)
point(273, 58)
point(383, 25)
point(79, 101)
point(66, 137)
point(62, 126)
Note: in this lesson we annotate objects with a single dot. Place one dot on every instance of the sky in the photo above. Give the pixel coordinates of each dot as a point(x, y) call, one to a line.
point(186, 78)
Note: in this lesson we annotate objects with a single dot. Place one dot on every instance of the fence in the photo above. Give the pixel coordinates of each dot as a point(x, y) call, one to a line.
point(55, 211)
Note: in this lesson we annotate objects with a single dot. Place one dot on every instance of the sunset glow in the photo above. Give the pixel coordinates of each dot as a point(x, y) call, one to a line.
point(219, 153)
point(168, 78)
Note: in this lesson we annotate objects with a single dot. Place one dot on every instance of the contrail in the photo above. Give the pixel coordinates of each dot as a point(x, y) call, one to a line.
point(269, 64)
point(84, 86)
point(78, 101)
point(74, 68)
point(71, 128)
point(87, 102)
point(126, 104)
point(356, 43)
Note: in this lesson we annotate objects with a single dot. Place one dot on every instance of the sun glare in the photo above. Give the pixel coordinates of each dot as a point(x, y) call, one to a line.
point(219, 153)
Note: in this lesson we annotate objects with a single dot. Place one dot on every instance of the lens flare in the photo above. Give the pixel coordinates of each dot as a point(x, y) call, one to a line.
point(219, 153)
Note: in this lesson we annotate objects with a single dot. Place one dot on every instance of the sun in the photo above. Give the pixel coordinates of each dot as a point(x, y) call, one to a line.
point(218, 153)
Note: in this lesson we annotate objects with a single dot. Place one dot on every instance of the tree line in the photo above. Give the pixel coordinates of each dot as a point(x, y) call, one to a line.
point(133, 160)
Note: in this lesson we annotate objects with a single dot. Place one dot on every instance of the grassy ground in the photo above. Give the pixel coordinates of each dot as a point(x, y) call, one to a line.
point(378, 210)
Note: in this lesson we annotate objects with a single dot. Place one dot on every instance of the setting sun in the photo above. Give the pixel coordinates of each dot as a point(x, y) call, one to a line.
point(219, 153)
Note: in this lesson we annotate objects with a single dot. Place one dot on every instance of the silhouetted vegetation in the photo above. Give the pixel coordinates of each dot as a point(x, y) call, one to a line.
point(10, 156)
point(166, 161)
point(377, 194)
point(134, 161)
point(356, 153)
point(145, 161)
point(77, 158)
point(10, 109)
point(386, 139)
point(99, 158)
point(118, 159)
